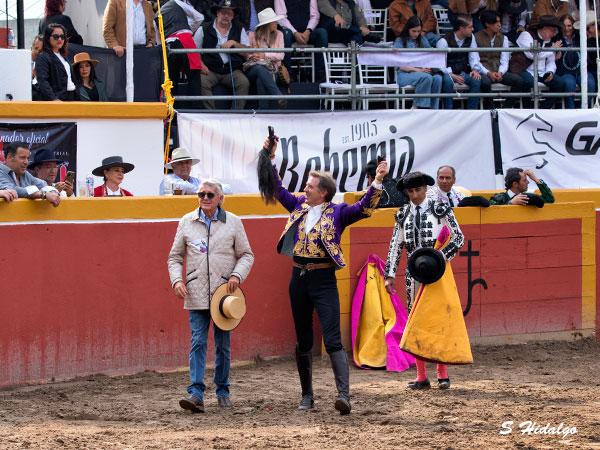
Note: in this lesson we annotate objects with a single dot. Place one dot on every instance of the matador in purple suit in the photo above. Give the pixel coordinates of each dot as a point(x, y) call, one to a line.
point(312, 238)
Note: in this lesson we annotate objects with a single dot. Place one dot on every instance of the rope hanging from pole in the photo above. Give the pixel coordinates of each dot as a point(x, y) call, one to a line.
point(167, 85)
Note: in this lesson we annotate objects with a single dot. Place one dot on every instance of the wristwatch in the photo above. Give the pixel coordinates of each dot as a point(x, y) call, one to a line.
point(43, 193)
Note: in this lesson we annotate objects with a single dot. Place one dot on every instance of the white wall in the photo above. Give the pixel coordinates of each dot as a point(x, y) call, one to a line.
point(86, 16)
point(138, 141)
point(15, 75)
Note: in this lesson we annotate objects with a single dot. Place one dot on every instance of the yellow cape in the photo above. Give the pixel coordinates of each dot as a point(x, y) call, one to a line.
point(436, 329)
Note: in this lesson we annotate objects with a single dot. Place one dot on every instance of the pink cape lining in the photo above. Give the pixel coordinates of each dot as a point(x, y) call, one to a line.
point(397, 360)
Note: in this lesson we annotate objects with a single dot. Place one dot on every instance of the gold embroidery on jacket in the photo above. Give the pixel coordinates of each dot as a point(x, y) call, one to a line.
point(373, 203)
point(309, 244)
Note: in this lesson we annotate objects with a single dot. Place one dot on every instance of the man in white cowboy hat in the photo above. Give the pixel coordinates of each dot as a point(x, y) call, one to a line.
point(181, 163)
point(218, 259)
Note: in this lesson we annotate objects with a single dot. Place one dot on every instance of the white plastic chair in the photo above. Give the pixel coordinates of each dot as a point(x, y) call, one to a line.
point(377, 22)
point(374, 80)
point(338, 74)
point(443, 23)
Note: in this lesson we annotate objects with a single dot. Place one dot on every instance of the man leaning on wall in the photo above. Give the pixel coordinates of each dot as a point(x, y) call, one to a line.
point(14, 176)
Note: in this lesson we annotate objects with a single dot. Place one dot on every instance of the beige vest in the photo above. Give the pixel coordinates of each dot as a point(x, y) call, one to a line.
point(489, 60)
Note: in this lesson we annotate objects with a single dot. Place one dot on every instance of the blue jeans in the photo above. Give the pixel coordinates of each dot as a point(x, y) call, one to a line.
point(474, 88)
point(265, 85)
point(424, 83)
point(318, 38)
point(570, 86)
point(557, 84)
point(199, 322)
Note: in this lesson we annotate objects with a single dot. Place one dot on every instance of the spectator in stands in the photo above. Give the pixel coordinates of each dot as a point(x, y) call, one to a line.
point(344, 22)
point(90, 88)
point(181, 163)
point(114, 25)
point(36, 47)
point(8, 195)
point(229, 258)
point(113, 169)
point(391, 197)
point(493, 67)
point(45, 167)
point(460, 65)
point(261, 68)
point(223, 68)
point(592, 31)
point(401, 10)
point(514, 18)
point(544, 33)
point(180, 22)
point(300, 25)
point(53, 13)
point(568, 63)
point(54, 76)
point(444, 191)
point(247, 12)
point(425, 80)
point(516, 183)
point(14, 176)
point(474, 8)
point(556, 8)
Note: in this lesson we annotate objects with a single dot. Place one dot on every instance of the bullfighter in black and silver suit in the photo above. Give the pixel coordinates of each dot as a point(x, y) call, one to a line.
point(413, 234)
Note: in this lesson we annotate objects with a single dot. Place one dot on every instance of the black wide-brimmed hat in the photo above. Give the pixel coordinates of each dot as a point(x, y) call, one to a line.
point(112, 161)
point(426, 265)
point(534, 200)
point(547, 20)
point(474, 200)
point(413, 180)
point(43, 155)
point(224, 4)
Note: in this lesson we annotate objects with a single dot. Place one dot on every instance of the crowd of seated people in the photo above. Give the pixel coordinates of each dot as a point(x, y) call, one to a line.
point(264, 24)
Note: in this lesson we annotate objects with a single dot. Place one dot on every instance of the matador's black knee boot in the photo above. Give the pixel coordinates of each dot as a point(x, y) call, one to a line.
point(339, 363)
point(304, 362)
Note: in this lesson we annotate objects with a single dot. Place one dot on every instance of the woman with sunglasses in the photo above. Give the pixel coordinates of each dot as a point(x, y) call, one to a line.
point(53, 13)
point(113, 169)
point(53, 71)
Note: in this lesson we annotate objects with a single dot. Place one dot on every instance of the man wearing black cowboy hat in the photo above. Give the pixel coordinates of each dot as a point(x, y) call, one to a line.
point(14, 176)
point(418, 225)
point(45, 167)
point(516, 183)
point(543, 32)
point(223, 68)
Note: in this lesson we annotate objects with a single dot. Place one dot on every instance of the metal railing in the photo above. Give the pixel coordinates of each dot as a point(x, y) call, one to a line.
point(355, 95)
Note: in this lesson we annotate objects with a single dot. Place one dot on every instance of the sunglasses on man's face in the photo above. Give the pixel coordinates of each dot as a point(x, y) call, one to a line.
point(210, 195)
point(58, 36)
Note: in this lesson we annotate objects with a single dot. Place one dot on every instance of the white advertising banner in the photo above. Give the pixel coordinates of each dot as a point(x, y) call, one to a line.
point(561, 148)
point(341, 143)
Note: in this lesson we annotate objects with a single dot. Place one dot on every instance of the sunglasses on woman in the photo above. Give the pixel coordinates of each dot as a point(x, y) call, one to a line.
point(58, 36)
point(210, 195)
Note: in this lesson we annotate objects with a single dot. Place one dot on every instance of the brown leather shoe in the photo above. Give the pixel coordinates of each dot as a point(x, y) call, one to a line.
point(224, 402)
point(192, 403)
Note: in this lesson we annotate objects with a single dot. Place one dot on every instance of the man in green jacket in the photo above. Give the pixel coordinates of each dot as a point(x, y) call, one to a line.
point(516, 182)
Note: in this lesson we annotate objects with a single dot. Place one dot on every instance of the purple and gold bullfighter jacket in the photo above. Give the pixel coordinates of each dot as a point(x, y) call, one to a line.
point(323, 241)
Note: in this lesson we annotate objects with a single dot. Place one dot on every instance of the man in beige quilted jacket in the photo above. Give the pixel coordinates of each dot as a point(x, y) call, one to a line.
point(218, 252)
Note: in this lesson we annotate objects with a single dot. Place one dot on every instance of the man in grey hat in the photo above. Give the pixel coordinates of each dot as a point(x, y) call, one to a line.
point(181, 163)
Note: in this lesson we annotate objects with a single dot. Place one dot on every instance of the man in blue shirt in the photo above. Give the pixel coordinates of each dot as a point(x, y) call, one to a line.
point(181, 163)
point(14, 175)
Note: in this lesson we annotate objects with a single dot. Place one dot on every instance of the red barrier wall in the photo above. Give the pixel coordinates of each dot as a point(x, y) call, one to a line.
point(101, 300)
point(86, 288)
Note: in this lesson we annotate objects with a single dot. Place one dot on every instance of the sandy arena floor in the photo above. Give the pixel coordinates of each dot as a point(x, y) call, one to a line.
point(546, 383)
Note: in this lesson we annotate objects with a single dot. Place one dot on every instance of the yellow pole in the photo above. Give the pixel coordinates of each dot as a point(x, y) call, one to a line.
point(167, 85)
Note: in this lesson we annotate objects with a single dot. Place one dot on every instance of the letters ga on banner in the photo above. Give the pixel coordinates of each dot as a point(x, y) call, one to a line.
point(61, 138)
point(560, 148)
point(341, 143)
